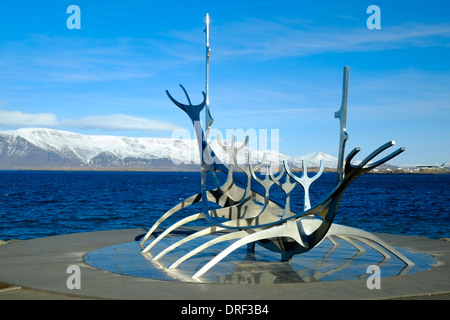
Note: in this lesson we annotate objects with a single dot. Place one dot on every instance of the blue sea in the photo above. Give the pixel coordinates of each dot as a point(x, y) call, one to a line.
point(44, 203)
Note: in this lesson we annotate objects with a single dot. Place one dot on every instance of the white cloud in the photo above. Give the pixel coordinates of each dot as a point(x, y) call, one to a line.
point(119, 122)
point(17, 118)
point(115, 122)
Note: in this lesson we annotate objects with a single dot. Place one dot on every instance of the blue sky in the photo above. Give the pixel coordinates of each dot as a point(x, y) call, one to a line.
point(274, 65)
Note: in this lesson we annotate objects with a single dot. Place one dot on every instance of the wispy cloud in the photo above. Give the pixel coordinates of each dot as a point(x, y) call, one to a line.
point(270, 39)
point(115, 122)
point(55, 59)
point(17, 118)
point(403, 94)
point(119, 122)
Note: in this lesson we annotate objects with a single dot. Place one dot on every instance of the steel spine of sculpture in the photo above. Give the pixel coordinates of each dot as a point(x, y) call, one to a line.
point(251, 217)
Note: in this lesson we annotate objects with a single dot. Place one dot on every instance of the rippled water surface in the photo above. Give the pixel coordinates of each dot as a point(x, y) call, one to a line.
point(42, 203)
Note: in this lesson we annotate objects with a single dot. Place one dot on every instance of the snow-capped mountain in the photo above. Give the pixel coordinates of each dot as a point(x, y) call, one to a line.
point(56, 149)
point(313, 160)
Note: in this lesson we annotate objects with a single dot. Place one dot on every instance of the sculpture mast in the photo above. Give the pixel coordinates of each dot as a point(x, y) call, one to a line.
point(341, 114)
point(208, 119)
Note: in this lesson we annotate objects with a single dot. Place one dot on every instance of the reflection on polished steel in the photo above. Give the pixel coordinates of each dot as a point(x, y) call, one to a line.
point(330, 261)
point(251, 217)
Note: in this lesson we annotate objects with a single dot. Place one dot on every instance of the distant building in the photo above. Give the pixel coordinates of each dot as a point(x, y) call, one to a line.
point(430, 168)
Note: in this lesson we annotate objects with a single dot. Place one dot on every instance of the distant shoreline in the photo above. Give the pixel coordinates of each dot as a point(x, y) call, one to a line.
point(377, 171)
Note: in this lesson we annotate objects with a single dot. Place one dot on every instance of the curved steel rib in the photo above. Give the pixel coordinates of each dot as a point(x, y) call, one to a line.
point(307, 233)
point(193, 236)
point(285, 230)
point(236, 203)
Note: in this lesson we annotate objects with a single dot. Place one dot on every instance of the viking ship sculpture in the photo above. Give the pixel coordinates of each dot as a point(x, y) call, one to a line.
point(250, 217)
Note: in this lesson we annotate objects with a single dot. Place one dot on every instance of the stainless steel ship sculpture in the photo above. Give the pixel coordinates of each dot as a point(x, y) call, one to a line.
point(250, 217)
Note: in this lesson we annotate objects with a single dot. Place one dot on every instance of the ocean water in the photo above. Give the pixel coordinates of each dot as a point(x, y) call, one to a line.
point(44, 203)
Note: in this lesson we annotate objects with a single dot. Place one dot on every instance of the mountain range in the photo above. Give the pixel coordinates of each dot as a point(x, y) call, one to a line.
point(50, 149)
point(55, 149)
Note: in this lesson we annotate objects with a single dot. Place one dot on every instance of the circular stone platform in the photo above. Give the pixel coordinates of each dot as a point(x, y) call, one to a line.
point(326, 262)
point(111, 267)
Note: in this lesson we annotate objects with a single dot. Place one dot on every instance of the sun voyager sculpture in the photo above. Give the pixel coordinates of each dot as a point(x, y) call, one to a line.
point(249, 217)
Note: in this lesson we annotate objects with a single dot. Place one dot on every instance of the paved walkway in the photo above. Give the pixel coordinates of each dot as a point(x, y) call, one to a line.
point(37, 269)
